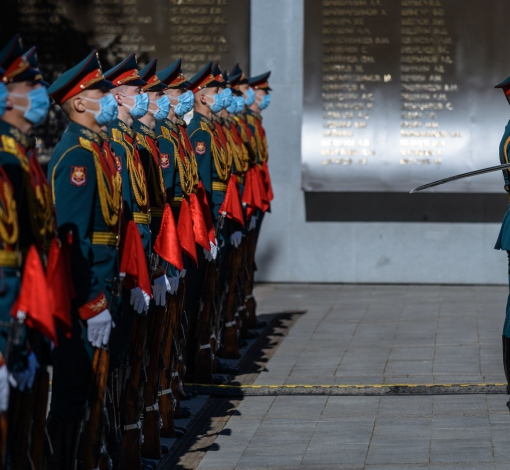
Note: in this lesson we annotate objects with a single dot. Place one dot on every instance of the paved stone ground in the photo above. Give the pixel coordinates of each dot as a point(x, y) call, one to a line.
point(354, 334)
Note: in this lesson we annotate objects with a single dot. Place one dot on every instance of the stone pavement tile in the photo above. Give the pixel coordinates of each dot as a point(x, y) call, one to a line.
point(474, 406)
point(389, 454)
point(464, 466)
point(408, 368)
point(340, 407)
point(288, 455)
point(408, 428)
point(411, 353)
point(342, 455)
point(465, 451)
point(501, 452)
point(405, 406)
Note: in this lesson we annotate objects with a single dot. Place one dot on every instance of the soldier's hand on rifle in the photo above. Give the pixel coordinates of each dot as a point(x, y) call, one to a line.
point(213, 253)
point(236, 238)
point(25, 378)
point(181, 274)
point(173, 283)
point(159, 289)
point(139, 300)
point(99, 327)
point(253, 223)
point(4, 388)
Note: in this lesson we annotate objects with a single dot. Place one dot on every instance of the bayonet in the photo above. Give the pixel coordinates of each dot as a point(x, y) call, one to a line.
point(506, 166)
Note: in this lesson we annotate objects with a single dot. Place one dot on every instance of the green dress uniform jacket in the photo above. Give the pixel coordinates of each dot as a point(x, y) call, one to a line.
point(87, 192)
point(503, 242)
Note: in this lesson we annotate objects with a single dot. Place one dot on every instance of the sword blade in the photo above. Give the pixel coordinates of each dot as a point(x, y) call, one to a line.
point(460, 177)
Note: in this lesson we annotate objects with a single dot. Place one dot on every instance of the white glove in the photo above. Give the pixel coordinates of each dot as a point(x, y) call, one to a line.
point(4, 388)
point(208, 255)
point(181, 274)
point(26, 377)
point(253, 223)
point(99, 327)
point(236, 238)
point(139, 300)
point(159, 290)
point(173, 284)
point(214, 248)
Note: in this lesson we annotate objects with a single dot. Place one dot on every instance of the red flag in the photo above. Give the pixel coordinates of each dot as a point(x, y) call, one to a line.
point(252, 196)
point(134, 261)
point(185, 231)
point(59, 287)
point(262, 188)
point(231, 204)
point(267, 181)
point(206, 212)
point(167, 243)
point(34, 298)
point(199, 225)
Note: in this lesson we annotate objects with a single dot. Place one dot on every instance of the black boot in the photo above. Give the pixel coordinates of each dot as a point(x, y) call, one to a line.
point(64, 437)
point(506, 364)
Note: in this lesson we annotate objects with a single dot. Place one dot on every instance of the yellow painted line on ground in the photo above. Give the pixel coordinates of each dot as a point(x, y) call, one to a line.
point(346, 386)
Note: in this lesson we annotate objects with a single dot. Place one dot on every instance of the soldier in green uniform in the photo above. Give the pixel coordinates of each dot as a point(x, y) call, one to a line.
point(503, 241)
point(86, 190)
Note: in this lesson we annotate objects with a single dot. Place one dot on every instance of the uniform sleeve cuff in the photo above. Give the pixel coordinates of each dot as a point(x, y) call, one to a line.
point(93, 308)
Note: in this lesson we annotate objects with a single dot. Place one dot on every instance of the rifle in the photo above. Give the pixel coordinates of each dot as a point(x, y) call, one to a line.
point(166, 397)
point(151, 447)
point(131, 406)
point(41, 391)
point(231, 333)
point(92, 448)
point(251, 305)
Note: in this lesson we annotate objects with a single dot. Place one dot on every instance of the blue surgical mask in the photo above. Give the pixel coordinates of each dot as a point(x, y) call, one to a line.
point(239, 104)
point(108, 109)
point(185, 105)
point(227, 97)
point(163, 107)
point(265, 102)
point(217, 106)
point(250, 97)
point(3, 98)
point(39, 104)
point(141, 106)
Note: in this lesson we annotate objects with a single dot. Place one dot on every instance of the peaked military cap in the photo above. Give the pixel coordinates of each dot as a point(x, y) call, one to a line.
point(148, 75)
point(260, 82)
point(238, 71)
point(15, 63)
point(505, 85)
point(31, 56)
point(203, 79)
point(125, 73)
point(218, 76)
point(87, 75)
point(173, 77)
point(234, 84)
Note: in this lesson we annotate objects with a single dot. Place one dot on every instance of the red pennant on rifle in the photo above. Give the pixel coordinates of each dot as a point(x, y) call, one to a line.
point(232, 204)
point(262, 187)
point(59, 287)
point(252, 196)
point(134, 261)
point(185, 231)
point(199, 225)
point(206, 211)
point(34, 298)
point(267, 181)
point(167, 243)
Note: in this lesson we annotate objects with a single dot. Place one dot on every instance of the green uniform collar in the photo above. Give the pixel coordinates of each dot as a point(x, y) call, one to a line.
point(167, 123)
point(24, 140)
point(83, 131)
point(141, 128)
point(201, 118)
point(121, 125)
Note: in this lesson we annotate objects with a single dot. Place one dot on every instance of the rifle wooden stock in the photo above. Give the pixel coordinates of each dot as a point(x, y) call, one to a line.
point(204, 358)
point(250, 273)
point(130, 456)
point(41, 391)
point(151, 447)
point(166, 400)
point(230, 334)
point(92, 437)
point(20, 420)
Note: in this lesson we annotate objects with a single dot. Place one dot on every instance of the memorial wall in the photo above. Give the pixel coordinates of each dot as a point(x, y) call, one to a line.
point(65, 31)
point(398, 93)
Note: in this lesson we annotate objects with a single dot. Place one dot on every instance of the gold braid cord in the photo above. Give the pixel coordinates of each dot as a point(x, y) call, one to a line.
point(260, 139)
point(193, 165)
point(109, 193)
point(239, 153)
point(40, 208)
point(155, 173)
point(245, 138)
point(220, 157)
point(184, 168)
point(9, 229)
point(136, 173)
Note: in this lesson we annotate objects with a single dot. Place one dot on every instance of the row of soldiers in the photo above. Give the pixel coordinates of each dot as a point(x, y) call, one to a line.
point(128, 265)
